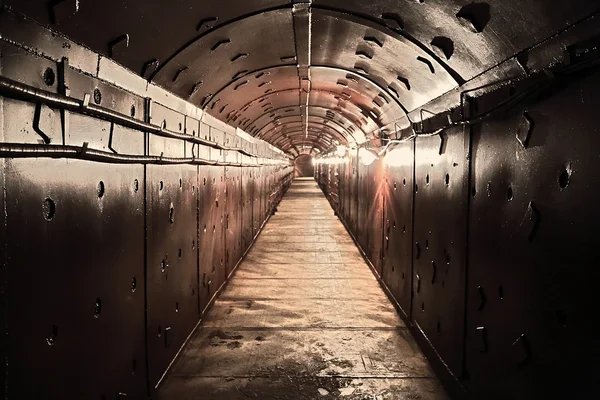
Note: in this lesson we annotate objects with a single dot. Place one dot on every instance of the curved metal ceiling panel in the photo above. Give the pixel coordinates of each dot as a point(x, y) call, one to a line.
point(226, 54)
point(312, 120)
point(471, 36)
point(155, 29)
point(247, 90)
point(375, 103)
point(281, 68)
point(288, 99)
point(271, 131)
point(406, 71)
point(323, 112)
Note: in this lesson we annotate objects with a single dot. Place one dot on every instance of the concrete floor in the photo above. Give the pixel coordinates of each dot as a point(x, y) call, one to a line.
point(303, 318)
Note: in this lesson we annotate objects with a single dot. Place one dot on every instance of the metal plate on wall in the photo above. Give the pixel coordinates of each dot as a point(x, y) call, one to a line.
point(531, 316)
point(353, 190)
point(344, 205)
point(172, 264)
point(375, 216)
point(211, 239)
point(76, 271)
point(257, 196)
point(233, 218)
point(398, 224)
point(363, 203)
point(440, 234)
point(247, 208)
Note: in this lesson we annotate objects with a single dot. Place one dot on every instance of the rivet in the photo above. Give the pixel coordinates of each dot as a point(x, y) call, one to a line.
point(482, 298)
point(483, 339)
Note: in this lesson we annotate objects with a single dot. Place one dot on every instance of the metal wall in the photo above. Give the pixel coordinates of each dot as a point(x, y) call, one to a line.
point(113, 240)
point(489, 237)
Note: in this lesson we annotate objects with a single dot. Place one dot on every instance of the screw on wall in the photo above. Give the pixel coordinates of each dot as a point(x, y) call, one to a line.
point(166, 336)
point(530, 222)
point(51, 339)
point(97, 307)
point(150, 67)
point(524, 130)
point(207, 23)
point(521, 351)
point(220, 43)
point(483, 339)
point(118, 46)
point(481, 297)
point(180, 73)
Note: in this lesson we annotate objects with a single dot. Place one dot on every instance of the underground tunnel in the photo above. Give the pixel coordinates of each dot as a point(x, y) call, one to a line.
point(326, 199)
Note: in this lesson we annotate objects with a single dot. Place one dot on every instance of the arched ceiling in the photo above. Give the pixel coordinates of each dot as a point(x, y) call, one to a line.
point(306, 76)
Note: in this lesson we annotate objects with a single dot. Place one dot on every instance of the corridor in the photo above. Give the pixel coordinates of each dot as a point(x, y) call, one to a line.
point(303, 318)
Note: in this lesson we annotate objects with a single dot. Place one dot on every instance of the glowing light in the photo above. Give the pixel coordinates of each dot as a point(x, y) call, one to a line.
point(367, 157)
point(398, 156)
point(341, 151)
point(330, 161)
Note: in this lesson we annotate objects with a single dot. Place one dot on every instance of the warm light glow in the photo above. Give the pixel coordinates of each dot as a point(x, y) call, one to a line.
point(341, 151)
point(399, 156)
point(330, 161)
point(367, 157)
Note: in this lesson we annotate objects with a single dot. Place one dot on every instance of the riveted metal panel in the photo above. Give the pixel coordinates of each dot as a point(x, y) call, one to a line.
point(257, 179)
point(531, 319)
point(353, 181)
point(75, 265)
point(440, 214)
point(247, 208)
point(171, 121)
point(374, 226)
point(192, 127)
point(343, 192)
point(398, 224)
point(105, 94)
point(233, 218)
point(211, 226)
point(172, 263)
point(363, 204)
